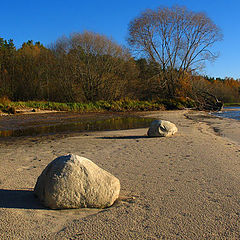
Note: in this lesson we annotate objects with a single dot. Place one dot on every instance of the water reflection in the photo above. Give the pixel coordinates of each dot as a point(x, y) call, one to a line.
point(117, 123)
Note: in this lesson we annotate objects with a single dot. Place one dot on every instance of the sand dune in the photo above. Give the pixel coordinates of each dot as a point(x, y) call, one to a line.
point(181, 187)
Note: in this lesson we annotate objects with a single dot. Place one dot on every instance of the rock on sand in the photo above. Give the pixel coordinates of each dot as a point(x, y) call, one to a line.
point(161, 128)
point(72, 181)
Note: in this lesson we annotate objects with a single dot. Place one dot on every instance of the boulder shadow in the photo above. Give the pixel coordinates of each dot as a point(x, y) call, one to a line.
point(124, 137)
point(21, 199)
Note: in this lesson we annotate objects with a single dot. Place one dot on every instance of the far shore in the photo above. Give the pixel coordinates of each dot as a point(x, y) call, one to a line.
point(181, 187)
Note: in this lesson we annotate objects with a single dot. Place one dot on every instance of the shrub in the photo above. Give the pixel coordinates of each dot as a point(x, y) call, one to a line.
point(5, 100)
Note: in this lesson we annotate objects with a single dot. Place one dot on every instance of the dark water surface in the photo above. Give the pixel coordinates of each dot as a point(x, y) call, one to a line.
point(229, 112)
point(33, 125)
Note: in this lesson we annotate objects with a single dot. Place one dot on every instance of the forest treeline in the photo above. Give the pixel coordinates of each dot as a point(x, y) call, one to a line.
point(88, 67)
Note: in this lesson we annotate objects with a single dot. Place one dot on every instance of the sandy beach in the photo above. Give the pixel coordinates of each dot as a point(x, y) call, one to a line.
point(181, 187)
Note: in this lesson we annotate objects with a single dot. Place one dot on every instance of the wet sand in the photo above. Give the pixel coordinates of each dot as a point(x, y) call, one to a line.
point(181, 187)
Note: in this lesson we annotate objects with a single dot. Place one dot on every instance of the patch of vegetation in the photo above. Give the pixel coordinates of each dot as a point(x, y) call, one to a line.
point(177, 103)
point(123, 105)
point(232, 104)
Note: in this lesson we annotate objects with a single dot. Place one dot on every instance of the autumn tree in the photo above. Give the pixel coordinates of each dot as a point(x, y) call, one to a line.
point(7, 67)
point(227, 89)
point(149, 85)
point(31, 67)
point(176, 38)
point(99, 66)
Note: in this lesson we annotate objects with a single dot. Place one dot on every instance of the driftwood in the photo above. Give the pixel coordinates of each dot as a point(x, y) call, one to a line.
point(208, 101)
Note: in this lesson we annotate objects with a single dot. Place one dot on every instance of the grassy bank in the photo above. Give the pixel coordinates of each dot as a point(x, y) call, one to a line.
point(99, 106)
point(232, 104)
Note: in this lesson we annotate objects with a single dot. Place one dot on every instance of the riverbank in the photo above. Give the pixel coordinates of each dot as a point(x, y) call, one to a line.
point(182, 187)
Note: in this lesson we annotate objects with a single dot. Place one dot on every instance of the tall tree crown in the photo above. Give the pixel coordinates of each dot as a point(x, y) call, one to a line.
point(174, 37)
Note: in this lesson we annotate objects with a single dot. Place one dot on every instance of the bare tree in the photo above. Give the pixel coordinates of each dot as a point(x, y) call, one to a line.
point(177, 39)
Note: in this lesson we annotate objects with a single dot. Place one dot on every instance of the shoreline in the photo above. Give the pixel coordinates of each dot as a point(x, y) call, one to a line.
point(224, 127)
point(182, 187)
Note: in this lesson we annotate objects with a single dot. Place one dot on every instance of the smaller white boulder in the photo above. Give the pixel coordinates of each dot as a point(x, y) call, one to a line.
point(72, 181)
point(161, 128)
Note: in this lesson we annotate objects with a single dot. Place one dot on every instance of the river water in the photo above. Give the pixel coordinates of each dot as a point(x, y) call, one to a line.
point(229, 112)
point(48, 124)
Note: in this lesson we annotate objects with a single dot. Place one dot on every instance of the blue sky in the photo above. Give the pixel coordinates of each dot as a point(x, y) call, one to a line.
point(47, 20)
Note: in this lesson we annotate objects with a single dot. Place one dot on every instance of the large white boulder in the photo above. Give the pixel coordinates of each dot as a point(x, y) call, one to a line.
point(72, 181)
point(161, 128)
